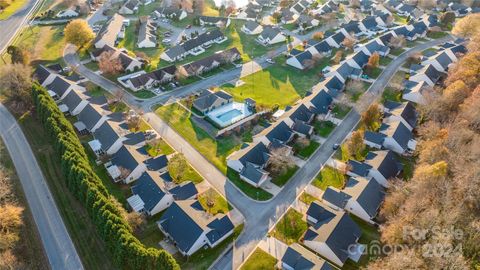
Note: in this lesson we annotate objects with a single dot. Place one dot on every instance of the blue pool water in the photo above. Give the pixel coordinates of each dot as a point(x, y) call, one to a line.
point(227, 117)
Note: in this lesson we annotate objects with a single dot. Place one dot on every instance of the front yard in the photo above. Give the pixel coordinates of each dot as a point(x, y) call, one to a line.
point(251, 191)
point(215, 150)
point(278, 85)
point(329, 176)
point(323, 128)
point(260, 260)
point(290, 228)
point(282, 179)
point(305, 151)
point(340, 111)
point(213, 202)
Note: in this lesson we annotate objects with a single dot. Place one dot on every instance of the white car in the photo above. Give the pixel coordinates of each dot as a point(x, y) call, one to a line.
point(270, 60)
point(166, 40)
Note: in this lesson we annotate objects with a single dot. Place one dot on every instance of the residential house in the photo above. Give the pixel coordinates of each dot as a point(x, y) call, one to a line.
point(280, 133)
point(409, 10)
point(130, 7)
point(353, 29)
point(300, 7)
point(110, 33)
point(306, 22)
point(76, 101)
point(151, 79)
point(288, 16)
point(68, 13)
point(302, 60)
point(357, 60)
point(183, 191)
point(209, 63)
point(344, 71)
point(248, 13)
point(250, 162)
point(415, 92)
point(332, 234)
point(375, 46)
point(380, 165)
point(208, 100)
point(61, 86)
point(252, 28)
point(270, 36)
point(44, 75)
point(459, 9)
point(190, 227)
point(362, 197)
point(147, 35)
point(335, 40)
point(393, 135)
point(428, 74)
point(319, 103)
point(172, 13)
point(297, 257)
point(401, 111)
point(214, 21)
point(127, 62)
point(322, 48)
point(149, 195)
point(328, 7)
point(92, 116)
point(441, 61)
point(194, 46)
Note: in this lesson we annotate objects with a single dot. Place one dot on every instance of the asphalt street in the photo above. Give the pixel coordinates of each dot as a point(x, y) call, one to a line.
point(259, 216)
point(58, 246)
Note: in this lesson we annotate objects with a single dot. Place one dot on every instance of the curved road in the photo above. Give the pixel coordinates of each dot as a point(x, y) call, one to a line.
point(58, 245)
point(259, 216)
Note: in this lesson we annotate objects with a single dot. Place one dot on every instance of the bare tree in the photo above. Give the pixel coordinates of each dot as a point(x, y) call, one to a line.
point(109, 63)
point(397, 42)
point(15, 84)
point(280, 161)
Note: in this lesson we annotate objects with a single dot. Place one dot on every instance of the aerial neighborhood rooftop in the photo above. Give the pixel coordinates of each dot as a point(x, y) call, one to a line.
point(258, 134)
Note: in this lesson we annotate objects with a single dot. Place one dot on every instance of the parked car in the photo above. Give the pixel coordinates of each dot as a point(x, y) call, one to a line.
point(270, 60)
point(166, 40)
point(188, 26)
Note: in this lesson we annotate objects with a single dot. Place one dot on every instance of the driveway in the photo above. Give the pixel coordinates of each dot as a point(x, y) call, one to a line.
point(58, 246)
point(259, 216)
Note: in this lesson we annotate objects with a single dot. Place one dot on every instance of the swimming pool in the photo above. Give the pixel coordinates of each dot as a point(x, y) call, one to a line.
point(229, 114)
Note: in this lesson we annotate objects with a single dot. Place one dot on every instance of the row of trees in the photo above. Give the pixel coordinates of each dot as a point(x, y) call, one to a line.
point(126, 250)
point(441, 200)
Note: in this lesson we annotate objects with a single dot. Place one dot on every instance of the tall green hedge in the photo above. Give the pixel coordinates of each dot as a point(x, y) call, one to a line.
point(126, 250)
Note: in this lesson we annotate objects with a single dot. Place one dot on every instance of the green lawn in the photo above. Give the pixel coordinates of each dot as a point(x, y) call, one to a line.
point(385, 61)
point(92, 65)
point(307, 151)
point(436, 35)
point(340, 111)
point(370, 235)
point(213, 202)
point(251, 191)
point(323, 128)
point(260, 260)
point(373, 72)
point(408, 166)
point(45, 44)
point(397, 52)
point(343, 155)
point(391, 95)
point(203, 258)
point(11, 9)
point(146, 10)
point(307, 198)
point(151, 235)
point(215, 150)
point(290, 228)
point(429, 50)
point(281, 180)
point(159, 147)
point(182, 171)
point(278, 85)
point(329, 176)
point(399, 19)
point(355, 89)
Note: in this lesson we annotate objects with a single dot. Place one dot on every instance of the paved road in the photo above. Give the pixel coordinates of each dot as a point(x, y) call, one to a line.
point(259, 216)
point(59, 247)
point(10, 26)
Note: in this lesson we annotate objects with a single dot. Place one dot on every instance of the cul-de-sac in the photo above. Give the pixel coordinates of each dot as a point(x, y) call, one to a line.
point(239, 134)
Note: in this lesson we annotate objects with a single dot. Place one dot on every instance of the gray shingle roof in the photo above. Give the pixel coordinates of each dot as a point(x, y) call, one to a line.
point(281, 132)
point(149, 191)
point(385, 162)
point(91, 114)
point(183, 191)
point(399, 132)
point(59, 85)
point(368, 193)
point(335, 197)
point(299, 258)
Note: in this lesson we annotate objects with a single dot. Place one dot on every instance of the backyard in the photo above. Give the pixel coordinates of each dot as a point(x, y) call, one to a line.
point(329, 176)
point(278, 85)
point(290, 228)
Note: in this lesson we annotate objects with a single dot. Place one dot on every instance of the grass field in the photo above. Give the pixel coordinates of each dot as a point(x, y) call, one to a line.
point(281, 180)
point(290, 228)
point(278, 84)
point(215, 150)
point(28, 249)
point(385, 61)
point(329, 176)
point(159, 147)
point(436, 35)
point(307, 198)
point(260, 260)
point(213, 202)
point(45, 44)
point(307, 151)
point(340, 111)
point(10, 10)
point(373, 72)
point(323, 128)
point(251, 191)
point(397, 52)
point(74, 215)
point(391, 95)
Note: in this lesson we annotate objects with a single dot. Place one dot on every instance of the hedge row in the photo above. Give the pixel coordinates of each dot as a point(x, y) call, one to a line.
point(126, 250)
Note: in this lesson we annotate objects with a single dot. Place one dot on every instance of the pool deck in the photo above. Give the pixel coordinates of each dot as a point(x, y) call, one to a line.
point(224, 111)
